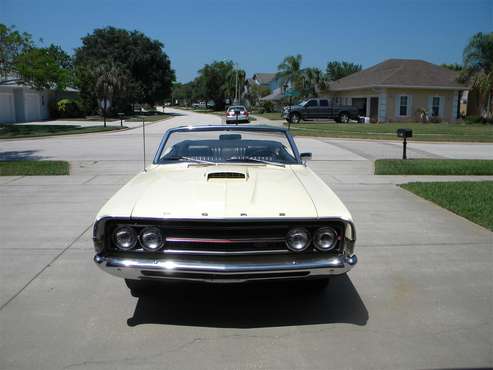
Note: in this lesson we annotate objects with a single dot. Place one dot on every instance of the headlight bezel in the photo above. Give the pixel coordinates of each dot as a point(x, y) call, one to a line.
point(132, 232)
point(156, 231)
point(298, 231)
point(324, 231)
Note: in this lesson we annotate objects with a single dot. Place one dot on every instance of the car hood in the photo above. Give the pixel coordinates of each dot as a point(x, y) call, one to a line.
point(232, 191)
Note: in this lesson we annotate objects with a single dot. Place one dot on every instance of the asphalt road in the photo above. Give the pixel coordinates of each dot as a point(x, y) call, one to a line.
point(421, 296)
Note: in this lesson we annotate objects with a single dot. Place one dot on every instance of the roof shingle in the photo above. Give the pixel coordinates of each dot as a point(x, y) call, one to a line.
point(400, 73)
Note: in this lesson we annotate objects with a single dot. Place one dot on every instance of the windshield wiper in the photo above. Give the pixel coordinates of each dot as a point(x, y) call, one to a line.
point(232, 159)
point(195, 160)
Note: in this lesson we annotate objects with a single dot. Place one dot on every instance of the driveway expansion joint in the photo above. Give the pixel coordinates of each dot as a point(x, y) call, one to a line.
point(53, 260)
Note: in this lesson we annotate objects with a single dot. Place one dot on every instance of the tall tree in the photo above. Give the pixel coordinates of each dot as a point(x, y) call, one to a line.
point(109, 81)
point(478, 69)
point(45, 68)
point(234, 83)
point(290, 71)
point(213, 82)
point(12, 44)
point(314, 81)
point(140, 58)
point(182, 92)
point(255, 92)
point(336, 70)
point(453, 66)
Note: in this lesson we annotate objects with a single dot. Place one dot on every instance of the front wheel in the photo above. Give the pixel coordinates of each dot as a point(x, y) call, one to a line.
point(343, 117)
point(295, 118)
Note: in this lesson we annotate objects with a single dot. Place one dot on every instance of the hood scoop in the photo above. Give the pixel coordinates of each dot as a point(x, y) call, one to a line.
point(226, 175)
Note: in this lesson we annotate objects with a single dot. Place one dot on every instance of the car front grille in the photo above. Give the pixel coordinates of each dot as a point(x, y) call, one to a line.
point(223, 237)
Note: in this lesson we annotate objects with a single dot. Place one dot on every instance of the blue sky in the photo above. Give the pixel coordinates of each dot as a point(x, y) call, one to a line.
point(258, 34)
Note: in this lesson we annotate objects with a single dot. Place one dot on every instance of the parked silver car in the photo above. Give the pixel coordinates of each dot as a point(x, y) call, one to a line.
point(237, 114)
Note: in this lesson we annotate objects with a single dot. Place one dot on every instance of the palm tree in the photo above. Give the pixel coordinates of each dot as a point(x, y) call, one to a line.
point(234, 83)
point(290, 71)
point(478, 69)
point(313, 81)
point(336, 70)
point(109, 79)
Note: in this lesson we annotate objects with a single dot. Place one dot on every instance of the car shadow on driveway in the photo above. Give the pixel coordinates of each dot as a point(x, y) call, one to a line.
point(253, 305)
point(19, 155)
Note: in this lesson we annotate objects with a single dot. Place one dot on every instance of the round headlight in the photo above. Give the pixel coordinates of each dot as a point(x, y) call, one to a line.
point(297, 240)
point(325, 239)
point(151, 239)
point(125, 238)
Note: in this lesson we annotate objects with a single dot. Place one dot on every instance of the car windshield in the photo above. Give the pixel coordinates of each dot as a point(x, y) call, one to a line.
point(236, 108)
point(302, 102)
point(227, 146)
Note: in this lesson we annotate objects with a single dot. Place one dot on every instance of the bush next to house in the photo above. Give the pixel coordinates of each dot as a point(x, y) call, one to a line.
point(267, 106)
point(68, 108)
point(477, 119)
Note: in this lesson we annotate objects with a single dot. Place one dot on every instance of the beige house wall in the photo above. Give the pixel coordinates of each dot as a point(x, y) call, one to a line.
point(418, 98)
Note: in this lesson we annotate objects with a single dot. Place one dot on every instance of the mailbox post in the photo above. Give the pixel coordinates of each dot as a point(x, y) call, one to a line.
point(404, 133)
point(121, 115)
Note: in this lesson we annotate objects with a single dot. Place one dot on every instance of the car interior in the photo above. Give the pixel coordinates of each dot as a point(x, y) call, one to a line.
point(230, 148)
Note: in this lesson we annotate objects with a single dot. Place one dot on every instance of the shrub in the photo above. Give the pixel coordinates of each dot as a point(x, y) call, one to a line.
point(421, 115)
point(69, 108)
point(267, 106)
point(435, 119)
point(53, 109)
point(477, 119)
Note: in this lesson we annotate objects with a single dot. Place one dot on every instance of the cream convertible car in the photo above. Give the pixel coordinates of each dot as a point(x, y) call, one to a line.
point(225, 204)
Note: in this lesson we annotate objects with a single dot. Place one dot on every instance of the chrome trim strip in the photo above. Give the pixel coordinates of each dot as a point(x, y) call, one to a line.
point(224, 269)
point(174, 239)
point(225, 253)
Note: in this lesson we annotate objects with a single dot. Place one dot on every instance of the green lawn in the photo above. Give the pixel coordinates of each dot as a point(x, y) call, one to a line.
point(147, 118)
point(387, 131)
point(34, 168)
point(9, 131)
point(151, 116)
point(272, 116)
point(433, 167)
point(472, 200)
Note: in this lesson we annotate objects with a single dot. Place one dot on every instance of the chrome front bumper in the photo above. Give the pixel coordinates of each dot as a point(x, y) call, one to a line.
point(226, 269)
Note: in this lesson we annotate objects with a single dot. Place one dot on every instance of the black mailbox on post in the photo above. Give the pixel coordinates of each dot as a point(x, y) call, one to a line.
point(122, 116)
point(404, 133)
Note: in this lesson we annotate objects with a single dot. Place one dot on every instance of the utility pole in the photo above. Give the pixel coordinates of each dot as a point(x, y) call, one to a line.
point(236, 86)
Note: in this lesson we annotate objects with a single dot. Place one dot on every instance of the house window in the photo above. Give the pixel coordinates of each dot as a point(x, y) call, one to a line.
point(403, 105)
point(435, 106)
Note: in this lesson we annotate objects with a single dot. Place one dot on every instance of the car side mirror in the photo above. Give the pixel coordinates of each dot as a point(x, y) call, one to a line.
point(306, 156)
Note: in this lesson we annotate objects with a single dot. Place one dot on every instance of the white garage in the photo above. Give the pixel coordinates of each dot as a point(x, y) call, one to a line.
point(33, 107)
point(20, 103)
point(7, 108)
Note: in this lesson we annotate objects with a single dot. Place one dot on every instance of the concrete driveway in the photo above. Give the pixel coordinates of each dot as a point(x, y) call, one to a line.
point(421, 296)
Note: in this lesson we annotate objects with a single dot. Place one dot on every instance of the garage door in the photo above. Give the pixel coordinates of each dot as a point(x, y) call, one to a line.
point(7, 108)
point(33, 107)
